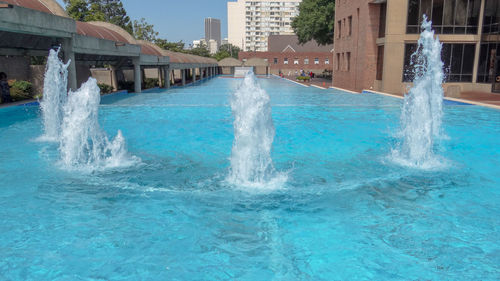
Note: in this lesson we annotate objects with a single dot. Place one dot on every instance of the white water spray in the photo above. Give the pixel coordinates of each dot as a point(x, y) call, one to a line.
point(54, 96)
point(251, 163)
point(423, 106)
point(82, 143)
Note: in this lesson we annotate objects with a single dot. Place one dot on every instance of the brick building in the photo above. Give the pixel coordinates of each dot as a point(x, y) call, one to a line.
point(374, 40)
point(287, 55)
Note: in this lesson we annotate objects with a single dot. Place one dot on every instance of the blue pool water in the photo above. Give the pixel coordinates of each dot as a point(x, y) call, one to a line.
point(346, 211)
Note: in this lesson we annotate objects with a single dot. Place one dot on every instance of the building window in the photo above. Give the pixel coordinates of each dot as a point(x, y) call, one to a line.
point(447, 16)
point(349, 26)
point(275, 60)
point(348, 63)
point(343, 23)
point(339, 27)
point(488, 55)
point(380, 62)
point(306, 61)
point(316, 61)
point(381, 26)
point(327, 61)
point(491, 22)
point(295, 61)
point(338, 62)
point(285, 61)
point(458, 62)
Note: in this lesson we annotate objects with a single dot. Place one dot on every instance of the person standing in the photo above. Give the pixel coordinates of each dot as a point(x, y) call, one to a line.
point(4, 88)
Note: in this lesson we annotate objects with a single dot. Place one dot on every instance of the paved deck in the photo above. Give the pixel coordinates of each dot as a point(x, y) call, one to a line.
point(319, 82)
point(482, 97)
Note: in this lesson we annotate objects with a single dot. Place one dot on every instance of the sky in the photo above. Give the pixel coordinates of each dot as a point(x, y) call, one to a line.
point(177, 20)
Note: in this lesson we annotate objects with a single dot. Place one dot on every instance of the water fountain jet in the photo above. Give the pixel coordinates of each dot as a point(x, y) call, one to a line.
point(422, 110)
point(251, 163)
point(55, 91)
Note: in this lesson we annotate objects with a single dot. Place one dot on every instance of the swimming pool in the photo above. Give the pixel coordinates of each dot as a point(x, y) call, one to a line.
point(346, 211)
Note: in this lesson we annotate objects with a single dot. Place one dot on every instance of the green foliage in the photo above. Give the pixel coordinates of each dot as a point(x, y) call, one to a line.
point(220, 55)
point(151, 83)
point(77, 9)
point(111, 11)
point(316, 21)
point(105, 88)
point(144, 31)
point(227, 50)
point(21, 90)
point(303, 78)
point(171, 46)
point(38, 60)
point(202, 51)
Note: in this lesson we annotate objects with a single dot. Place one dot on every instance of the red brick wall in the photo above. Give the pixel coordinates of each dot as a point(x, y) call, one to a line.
point(291, 67)
point(360, 43)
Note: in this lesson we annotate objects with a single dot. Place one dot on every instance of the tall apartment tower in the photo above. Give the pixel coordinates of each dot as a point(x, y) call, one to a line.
point(250, 22)
point(212, 30)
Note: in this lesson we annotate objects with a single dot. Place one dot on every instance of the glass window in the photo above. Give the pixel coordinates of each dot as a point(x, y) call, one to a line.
point(348, 63)
point(381, 26)
point(349, 25)
point(306, 61)
point(296, 61)
point(413, 20)
point(488, 55)
point(491, 20)
point(327, 61)
point(285, 61)
point(380, 62)
point(316, 61)
point(448, 16)
point(275, 60)
point(338, 61)
point(458, 62)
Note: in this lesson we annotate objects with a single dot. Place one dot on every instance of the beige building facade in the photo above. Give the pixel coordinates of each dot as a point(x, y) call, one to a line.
point(374, 40)
point(250, 22)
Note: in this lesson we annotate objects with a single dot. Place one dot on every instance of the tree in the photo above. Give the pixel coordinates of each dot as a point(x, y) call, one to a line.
point(111, 11)
point(316, 21)
point(229, 49)
point(144, 31)
point(77, 9)
point(171, 46)
point(201, 50)
point(221, 54)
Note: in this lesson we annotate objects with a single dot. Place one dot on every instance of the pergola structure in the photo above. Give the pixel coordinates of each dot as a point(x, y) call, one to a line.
point(33, 27)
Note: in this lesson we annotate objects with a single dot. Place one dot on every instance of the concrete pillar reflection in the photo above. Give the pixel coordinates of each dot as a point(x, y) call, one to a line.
point(137, 76)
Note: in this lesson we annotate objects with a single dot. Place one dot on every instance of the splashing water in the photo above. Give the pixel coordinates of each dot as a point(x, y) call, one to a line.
point(251, 163)
point(83, 144)
point(54, 96)
point(423, 106)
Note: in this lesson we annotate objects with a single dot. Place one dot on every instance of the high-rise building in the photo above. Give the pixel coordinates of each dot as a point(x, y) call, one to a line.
point(250, 22)
point(212, 30)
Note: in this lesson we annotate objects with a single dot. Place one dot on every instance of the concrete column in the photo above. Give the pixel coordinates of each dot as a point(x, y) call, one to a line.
point(167, 76)
point(183, 74)
point(137, 75)
point(194, 74)
point(478, 43)
point(201, 73)
point(114, 80)
point(70, 55)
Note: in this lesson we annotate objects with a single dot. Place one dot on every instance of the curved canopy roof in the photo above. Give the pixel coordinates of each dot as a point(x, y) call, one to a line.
point(108, 31)
point(101, 32)
point(230, 62)
point(46, 6)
